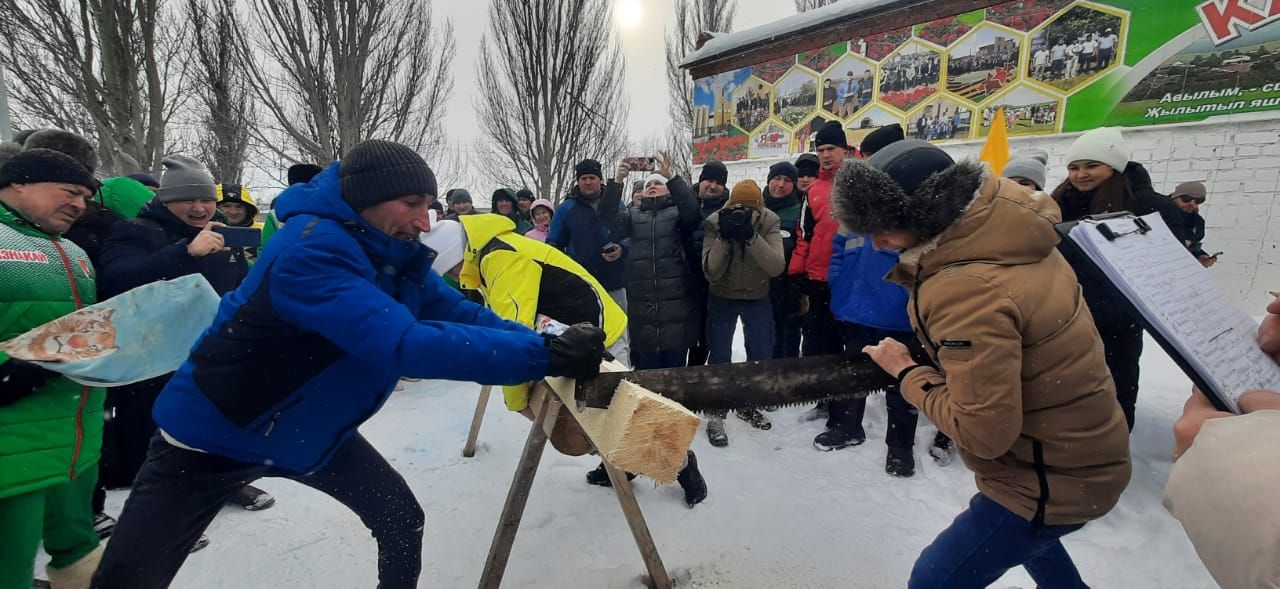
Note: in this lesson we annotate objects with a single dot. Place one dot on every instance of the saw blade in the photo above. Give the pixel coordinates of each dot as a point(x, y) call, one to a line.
point(721, 387)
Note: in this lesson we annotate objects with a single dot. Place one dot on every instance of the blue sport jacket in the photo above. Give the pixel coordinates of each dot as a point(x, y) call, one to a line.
point(859, 292)
point(312, 343)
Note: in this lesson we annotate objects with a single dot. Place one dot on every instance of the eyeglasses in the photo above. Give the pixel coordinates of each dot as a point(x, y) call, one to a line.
point(1188, 198)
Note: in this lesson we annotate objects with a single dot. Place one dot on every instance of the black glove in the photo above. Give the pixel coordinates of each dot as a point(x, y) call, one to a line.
point(577, 352)
point(735, 225)
point(19, 378)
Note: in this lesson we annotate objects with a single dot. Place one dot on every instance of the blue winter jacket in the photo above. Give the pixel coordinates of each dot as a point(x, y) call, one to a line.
point(859, 292)
point(313, 342)
point(582, 231)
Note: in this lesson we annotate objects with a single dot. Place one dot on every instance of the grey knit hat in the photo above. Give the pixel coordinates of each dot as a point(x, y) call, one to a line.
point(184, 178)
point(1029, 164)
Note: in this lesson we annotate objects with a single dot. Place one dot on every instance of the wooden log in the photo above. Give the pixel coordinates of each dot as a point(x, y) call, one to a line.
point(640, 432)
point(469, 449)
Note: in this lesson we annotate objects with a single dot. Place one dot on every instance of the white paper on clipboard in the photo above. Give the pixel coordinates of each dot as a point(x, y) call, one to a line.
point(1178, 298)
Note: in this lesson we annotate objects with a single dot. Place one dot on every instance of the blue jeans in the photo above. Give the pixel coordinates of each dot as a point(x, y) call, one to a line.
point(986, 540)
point(757, 328)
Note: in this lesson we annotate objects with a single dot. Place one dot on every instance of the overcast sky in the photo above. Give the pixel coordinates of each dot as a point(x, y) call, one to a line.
point(643, 45)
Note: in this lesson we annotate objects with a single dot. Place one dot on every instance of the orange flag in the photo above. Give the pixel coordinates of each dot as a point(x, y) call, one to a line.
point(996, 151)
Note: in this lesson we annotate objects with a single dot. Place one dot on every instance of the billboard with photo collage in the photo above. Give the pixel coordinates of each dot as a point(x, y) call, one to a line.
point(1053, 65)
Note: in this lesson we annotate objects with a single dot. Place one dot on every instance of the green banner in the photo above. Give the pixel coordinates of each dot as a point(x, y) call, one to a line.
point(1053, 65)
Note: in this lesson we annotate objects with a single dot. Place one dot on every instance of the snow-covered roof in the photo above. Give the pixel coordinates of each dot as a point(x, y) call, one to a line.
point(724, 44)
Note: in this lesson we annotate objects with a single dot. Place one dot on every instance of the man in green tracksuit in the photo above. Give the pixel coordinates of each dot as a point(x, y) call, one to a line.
point(50, 427)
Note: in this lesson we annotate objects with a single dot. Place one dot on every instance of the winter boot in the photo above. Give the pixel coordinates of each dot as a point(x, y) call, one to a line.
point(201, 543)
point(76, 575)
point(943, 449)
point(716, 433)
point(600, 477)
point(690, 479)
point(252, 498)
point(836, 438)
point(103, 524)
point(755, 418)
point(819, 412)
point(900, 462)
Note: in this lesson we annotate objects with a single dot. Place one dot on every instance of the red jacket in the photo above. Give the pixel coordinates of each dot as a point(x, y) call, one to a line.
point(818, 228)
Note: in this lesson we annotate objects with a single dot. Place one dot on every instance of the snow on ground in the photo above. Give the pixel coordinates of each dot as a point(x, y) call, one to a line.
point(779, 514)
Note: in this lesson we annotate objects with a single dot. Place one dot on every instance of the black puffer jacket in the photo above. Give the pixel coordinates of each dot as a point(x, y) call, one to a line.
point(154, 247)
point(1110, 314)
point(661, 314)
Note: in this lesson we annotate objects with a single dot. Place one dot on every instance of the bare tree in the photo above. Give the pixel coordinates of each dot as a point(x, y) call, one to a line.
point(807, 5)
point(108, 69)
point(693, 18)
point(331, 73)
point(551, 87)
point(225, 112)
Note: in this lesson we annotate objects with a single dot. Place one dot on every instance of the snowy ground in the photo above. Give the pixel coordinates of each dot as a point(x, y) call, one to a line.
point(779, 514)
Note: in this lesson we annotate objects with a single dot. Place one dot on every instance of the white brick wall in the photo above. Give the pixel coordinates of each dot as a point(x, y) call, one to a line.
point(1236, 159)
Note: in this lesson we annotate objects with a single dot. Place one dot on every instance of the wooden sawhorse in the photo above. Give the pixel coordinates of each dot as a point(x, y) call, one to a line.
point(548, 409)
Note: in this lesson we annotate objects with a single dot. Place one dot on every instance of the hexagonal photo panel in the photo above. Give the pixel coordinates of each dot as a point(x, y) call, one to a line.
point(941, 119)
point(878, 46)
point(983, 62)
point(1072, 48)
point(1024, 15)
point(819, 60)
point(869, 120)
point(1027, 111)
point(771, 71)
point(751, 104)
point(713, 103)
point(910, 76)
point(795, 97)
point(771, 141)
point(848, 85)
point(802, 141)
point(945, 31)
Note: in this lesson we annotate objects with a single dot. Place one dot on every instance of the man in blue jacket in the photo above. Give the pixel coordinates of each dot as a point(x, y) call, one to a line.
point(341, 304)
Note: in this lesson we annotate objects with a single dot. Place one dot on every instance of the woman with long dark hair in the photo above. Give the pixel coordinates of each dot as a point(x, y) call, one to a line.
point(1101, 179)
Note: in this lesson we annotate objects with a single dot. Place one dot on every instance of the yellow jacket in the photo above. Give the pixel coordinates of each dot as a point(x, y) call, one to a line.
point(522, 278)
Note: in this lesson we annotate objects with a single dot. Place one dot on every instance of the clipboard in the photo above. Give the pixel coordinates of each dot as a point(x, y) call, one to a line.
point(1214, 343)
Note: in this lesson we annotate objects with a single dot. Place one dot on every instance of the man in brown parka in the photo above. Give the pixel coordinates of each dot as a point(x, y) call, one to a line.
point(1021, 383)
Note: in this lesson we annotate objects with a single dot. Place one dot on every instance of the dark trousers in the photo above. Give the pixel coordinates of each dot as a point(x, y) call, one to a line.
point(757, 328)
point(1123, 351)
point(658, 359)
point(821, 332)
point(786, 326)
point(701, 350)
point(986, 540)
point(846, 414)
point(178, 492)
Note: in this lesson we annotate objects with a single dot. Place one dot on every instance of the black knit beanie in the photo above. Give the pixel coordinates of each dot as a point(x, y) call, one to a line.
point(714, 170)
point(303, 173)
point(783, 169)
point(587, 166)
point(807, 165)
point(881, 138)
point(34, 166)
point(832, 133)
point(377, 171)
point(525, 194)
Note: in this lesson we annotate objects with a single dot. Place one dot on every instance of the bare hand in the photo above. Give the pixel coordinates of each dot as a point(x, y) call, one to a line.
point(207, 241)
point(623, 170)
point(890, 355)
point(612, 254)
point(664, 165)
point(1195, 412)
point(1269, 331)
point(1208, 261)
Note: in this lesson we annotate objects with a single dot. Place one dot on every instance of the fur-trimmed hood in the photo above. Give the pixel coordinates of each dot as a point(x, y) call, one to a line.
point(1003, 224)
point(867, 200)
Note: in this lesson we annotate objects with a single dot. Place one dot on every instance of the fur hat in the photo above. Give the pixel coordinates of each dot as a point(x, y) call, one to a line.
point(909, 186)
point(832, 133)
point(67, 142)
point(746, 193)
point(1104, 144)
point(807, 165)
point(1029, 164)
point(714, 170)
point(448, 240)
point(880, 138)
point(8, 149)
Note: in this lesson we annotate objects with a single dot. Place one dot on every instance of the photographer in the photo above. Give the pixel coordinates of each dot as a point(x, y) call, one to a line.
point(741, 253)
